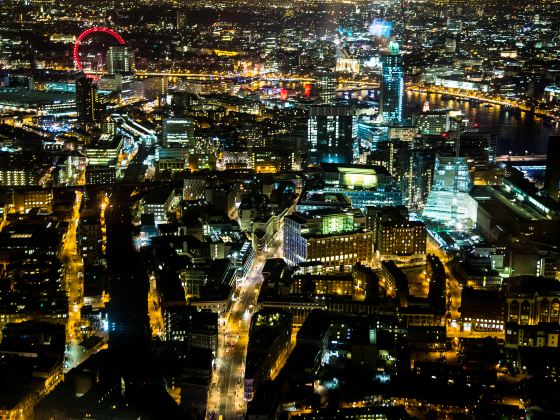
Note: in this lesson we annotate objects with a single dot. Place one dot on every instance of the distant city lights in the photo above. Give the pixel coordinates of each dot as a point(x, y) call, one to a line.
point(380, 28)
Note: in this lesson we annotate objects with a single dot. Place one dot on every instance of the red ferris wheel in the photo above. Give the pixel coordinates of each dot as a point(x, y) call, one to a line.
point(87, 33)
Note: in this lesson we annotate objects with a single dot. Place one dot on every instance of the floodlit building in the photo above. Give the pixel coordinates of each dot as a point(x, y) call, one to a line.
point(364, 185)
point(449, 201)
point(391, 104)
point(531, 299)
point(333, 238)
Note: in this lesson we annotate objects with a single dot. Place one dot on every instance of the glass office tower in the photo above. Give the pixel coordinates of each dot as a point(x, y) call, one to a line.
point(449, 201)
point(391, 103)
point(331, 134)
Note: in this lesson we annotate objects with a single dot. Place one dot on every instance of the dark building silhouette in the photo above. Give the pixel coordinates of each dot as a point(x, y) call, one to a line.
point(86, 101)
point(128, 284)
point(552, 174)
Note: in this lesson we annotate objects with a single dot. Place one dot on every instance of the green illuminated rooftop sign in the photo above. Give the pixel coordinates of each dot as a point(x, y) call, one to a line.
point(337, 223)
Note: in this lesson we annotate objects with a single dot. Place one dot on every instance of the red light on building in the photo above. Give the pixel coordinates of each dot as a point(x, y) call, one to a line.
point(283, 94)
point(307, 89)
point(85, 34)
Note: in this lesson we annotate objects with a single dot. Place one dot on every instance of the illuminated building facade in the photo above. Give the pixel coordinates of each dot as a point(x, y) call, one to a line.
point(342, 284)
point(27, 200)
point(391, 104)
point(158, 203)
point(151, 88)
point(20, 169)
point(449, 201)
point(405, 239)
point(364, 185)
point(118, 83)
point(97, 175)
point(120, 59)
point(271, 161)
point(106, 151)
point(326, 84)
point(461, 84)
point(348, 65)
point(334, 239)
point(482, 310)
point(540, 335)
point(331, 133)
point(372, 135)
point(355, 176)
point(202, 87)
point(178, 132)
point(437, 121)
point(341, 249)
point(44, 103)
point(171, 158)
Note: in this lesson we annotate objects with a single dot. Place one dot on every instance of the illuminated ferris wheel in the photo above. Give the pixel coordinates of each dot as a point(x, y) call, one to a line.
point(80, 40)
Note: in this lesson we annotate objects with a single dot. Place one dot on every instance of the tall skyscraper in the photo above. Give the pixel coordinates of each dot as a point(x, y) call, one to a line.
point(552, 174)
point(449, 201)
point(421, 176)
point(331, 132)
point(86, 101)
point(120, 59)
point(326, 85)
point(391, 104)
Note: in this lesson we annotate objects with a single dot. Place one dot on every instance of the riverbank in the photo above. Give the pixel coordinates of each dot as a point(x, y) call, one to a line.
point(485, 99)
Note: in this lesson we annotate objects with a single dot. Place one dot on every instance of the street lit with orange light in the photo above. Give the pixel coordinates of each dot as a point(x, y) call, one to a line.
point(154, 310)
point(74, 286)
point(226, 396)
point(295, 210)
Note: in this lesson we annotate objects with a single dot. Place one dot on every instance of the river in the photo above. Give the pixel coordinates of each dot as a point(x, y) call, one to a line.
point(517, 131)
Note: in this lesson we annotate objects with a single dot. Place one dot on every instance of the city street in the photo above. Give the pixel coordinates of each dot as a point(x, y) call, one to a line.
point(453, 291)
point(226, 393)
point(376, 184)
point(74, 287)
point(453, 286)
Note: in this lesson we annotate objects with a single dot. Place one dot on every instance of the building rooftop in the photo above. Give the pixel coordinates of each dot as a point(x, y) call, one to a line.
point(34, 98)
point(354, 168)
point(531, 285)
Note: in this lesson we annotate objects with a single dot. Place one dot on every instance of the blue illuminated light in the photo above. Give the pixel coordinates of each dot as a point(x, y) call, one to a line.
point(380, 28)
